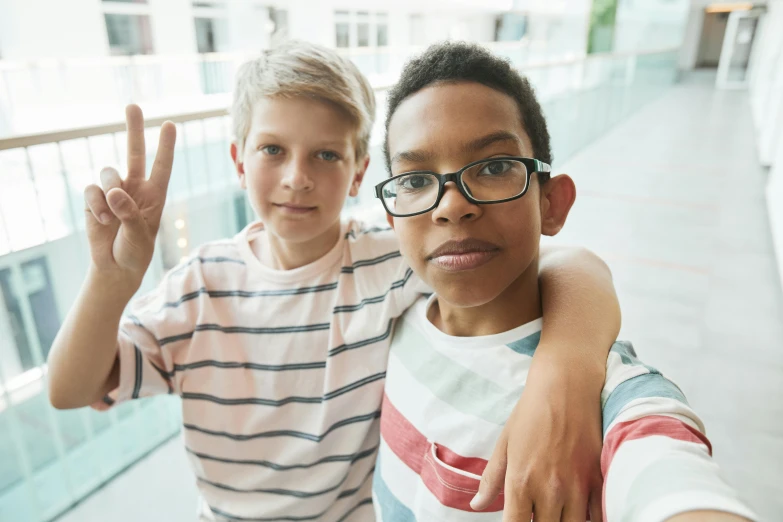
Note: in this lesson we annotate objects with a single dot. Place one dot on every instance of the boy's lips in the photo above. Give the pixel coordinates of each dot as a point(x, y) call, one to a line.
point(464, 254)
point(294, 208)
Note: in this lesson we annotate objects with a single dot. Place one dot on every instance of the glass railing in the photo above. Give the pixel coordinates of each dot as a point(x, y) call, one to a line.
point(51, 459)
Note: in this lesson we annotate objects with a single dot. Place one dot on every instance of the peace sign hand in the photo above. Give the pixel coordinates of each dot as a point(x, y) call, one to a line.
point(123, 216)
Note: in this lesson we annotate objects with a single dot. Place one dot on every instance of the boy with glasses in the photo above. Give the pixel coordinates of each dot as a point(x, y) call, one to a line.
point(277, 339)
point(469, 197)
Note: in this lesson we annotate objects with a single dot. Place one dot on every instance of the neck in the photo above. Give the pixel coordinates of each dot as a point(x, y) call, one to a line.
point(518, 304)
point(280, 254)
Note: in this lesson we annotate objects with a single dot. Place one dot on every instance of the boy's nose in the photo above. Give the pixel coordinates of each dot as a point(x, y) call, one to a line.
point(454, 208)
point(296, 177)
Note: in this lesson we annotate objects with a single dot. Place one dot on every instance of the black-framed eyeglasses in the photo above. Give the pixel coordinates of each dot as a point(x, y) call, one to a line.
point(493, 180)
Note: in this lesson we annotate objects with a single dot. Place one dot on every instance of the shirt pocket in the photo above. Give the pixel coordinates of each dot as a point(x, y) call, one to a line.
point(453, 481)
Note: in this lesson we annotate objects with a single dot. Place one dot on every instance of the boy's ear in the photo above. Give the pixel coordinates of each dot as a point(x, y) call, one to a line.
point(390, 220)
point(557, 197)
point(358, 177)
point(238, 165)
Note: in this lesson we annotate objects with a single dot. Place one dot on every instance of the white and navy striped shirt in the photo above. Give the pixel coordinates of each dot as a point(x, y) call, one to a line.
point(281, 373)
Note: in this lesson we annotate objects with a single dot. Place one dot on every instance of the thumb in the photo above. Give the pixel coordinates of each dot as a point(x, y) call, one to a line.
point(127, 211)
point(493, 478)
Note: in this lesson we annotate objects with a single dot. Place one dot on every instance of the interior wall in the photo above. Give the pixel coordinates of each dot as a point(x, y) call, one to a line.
point(766, 97)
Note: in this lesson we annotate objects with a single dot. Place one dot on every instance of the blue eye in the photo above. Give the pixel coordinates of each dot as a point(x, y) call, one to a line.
point(272, 150)
point(328, 155)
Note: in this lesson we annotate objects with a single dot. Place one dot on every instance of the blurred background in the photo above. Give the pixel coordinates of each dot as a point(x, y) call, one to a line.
point(667, 113)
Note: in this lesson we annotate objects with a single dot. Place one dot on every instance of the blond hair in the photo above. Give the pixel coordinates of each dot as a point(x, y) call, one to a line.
point(298, 68)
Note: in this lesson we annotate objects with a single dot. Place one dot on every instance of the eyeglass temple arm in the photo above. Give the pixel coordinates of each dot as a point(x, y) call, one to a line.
point(542, 167)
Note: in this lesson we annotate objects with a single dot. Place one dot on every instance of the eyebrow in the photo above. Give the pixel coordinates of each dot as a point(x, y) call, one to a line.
point(477, 145)
point(412, 156)
point(482, 143)
point(328, 142)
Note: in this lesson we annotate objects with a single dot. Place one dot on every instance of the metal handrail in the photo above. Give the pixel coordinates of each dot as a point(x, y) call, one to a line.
point(40, 138)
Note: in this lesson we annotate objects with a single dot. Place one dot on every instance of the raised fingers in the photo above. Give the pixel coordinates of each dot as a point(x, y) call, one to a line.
point(164, 159)
point(134, 121)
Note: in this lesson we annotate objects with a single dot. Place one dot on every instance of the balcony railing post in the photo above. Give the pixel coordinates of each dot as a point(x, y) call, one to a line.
point(68, 191)
point(206, 152)
point(185, 154)
point(31, 175)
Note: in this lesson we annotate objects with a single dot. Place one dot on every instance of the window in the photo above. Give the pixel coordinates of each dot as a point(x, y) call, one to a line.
point(129, 34)
point(343, 38)
point(382, 30)
point(363, 29)
point(210, 34)
point(211, 23)
point(342, 29)
point(510, 27)
point(38, 292)
point(205, 35)
point(279, 20)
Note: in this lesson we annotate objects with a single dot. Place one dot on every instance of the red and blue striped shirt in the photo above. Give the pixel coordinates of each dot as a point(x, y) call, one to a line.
point(447, 399)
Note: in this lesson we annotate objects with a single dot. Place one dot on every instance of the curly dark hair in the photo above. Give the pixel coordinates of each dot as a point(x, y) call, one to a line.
point(466, 62)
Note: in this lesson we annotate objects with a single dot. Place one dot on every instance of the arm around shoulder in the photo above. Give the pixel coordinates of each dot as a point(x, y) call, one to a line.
point(581, 309)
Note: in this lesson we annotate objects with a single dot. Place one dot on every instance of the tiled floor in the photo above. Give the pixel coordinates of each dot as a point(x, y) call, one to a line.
point(159, 488)
point(673, 200)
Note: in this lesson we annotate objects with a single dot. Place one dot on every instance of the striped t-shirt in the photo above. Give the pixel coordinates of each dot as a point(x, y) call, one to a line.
point(447, 399)
point(281, 373)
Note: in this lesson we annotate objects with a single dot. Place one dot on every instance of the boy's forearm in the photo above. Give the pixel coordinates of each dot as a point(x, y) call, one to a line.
point(84, 352)
point(581, 310)
point(562, 393)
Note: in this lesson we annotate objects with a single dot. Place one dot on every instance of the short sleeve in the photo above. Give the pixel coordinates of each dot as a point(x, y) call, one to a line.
point(656, 459)
point(151, 322)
